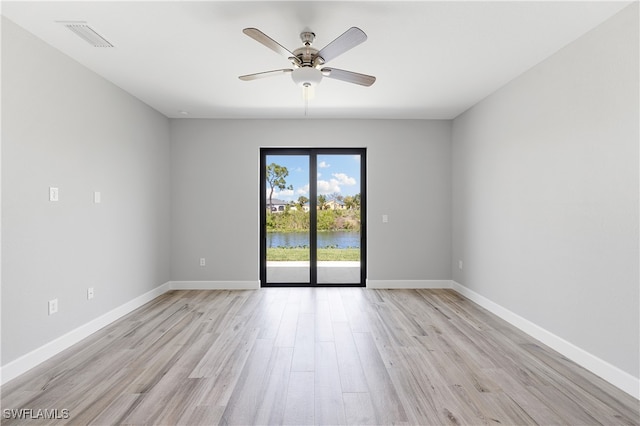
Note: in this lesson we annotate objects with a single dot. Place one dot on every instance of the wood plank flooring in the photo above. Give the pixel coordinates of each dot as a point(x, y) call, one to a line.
point(298, 356)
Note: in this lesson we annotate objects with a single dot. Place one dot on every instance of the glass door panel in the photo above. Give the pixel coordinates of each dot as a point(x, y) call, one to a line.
point(312, 218)
point(338, 218)
point(288, 258)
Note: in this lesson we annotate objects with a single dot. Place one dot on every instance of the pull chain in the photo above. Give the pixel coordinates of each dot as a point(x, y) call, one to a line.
point(306, 89)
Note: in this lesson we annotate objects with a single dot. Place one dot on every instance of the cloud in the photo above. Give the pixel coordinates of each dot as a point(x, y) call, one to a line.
point(323, 165)
point(285, 194)
point(344, 179)
point(335, 183)
point(303, 191)
point(328, 187)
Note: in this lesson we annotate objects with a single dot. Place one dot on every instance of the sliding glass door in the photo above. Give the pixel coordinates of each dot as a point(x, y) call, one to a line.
point(286, 226)
point(312, 218)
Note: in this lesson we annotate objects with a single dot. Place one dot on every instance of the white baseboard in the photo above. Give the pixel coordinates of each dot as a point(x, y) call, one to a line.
point(397, 284)
point(215, 285)
point(612, 374)
point(26, 362)
point(597, 366)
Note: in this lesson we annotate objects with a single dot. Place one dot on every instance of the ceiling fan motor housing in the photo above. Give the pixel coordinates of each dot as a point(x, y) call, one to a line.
point(307, 56)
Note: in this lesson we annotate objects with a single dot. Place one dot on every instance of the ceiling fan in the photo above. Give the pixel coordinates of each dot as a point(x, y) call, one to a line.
point(308, 69)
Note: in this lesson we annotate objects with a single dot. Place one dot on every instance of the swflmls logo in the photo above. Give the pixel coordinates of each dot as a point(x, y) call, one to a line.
point(39, 414)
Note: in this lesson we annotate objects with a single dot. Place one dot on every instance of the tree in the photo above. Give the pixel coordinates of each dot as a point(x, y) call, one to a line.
point(276, 175)
point(356, 200)
point(336, 196)
point(349, 202)
point(322, 201)
point(302, 200)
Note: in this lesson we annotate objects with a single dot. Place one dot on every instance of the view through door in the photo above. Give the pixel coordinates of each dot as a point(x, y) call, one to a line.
point(312, 219)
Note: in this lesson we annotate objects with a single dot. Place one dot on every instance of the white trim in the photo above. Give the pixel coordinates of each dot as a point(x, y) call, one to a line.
point(26, 362)
point(597, 366)
point(611, 373)
point(215, 285)
point(396, 284)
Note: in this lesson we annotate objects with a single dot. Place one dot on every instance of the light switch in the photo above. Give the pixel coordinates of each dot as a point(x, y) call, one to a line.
point(385, 218)
point(53, 306)
point(96, 197)
point(53, 194)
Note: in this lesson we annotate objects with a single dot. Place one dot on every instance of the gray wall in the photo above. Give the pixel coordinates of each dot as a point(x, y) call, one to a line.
point(537, 193)
point(215, 201)
point(64, 126)
point(545, 194)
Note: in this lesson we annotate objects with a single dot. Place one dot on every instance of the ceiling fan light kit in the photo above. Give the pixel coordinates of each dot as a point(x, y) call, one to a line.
point(306, 76)
point(307, 61)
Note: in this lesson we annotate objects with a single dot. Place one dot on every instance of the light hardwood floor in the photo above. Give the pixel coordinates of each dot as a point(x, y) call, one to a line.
point(316, 356)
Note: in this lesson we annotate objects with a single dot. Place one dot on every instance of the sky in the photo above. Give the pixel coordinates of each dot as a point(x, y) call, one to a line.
point(336, 173)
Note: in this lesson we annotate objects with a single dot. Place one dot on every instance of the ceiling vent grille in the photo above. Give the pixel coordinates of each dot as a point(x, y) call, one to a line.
point(88, 34)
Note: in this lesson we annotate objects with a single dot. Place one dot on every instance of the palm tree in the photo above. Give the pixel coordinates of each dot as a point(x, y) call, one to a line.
point(356, 200)
point(302, 200)
point(322, 202)
point(349, 202)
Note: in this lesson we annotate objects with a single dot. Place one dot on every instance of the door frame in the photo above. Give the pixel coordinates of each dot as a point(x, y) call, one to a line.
point(313, 213)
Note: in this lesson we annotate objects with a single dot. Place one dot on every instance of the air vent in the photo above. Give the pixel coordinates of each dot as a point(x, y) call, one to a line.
point(88, 34)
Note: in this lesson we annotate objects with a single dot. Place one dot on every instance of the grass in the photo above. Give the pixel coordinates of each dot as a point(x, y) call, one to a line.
point(302, 254)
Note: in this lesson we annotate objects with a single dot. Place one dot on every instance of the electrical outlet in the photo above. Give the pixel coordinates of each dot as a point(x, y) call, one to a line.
point(53, 306)
point(203, 261)
point(385, 218)
point(90, 293)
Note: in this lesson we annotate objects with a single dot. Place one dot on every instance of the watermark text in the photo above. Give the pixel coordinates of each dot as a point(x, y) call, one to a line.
point(35, 414)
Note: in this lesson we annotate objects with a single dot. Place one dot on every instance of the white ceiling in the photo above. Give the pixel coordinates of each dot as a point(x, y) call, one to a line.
point(431, 59)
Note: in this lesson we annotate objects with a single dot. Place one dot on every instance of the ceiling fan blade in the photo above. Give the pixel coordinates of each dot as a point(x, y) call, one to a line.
point(348, 40)
point(349, 76)
point(258, 75)
point(261, 37)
